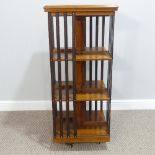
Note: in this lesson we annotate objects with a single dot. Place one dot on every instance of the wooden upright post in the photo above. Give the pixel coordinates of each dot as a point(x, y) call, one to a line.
point(80, 66)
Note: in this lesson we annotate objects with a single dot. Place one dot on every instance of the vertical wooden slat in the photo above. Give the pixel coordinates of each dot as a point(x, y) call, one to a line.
point(52, 68)
point(111, 34)
point(102, 61)
point(109, 86)
point(66, 74)
point(74, 73)
point(110, 63)
point(96, 62)
point(85, 46)
point(59, 72)
point(90, 62)
point(85, 31)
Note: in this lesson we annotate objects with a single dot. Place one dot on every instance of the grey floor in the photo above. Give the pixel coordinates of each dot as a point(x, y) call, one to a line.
point(132, 132)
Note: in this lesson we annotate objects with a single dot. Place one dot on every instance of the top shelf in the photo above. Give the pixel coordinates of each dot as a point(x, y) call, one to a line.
point(82, 10)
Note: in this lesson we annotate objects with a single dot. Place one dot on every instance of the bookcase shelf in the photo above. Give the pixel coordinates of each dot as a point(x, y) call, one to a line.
point(86, 54)
point(81, 99)
point(92, 127)
point(87, 92)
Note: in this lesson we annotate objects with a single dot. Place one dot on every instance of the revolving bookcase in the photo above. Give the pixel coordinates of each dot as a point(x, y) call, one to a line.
point(81, 81)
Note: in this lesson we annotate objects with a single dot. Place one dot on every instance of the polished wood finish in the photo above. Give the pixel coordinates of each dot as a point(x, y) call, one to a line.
point(83, 10)
point(82, 122)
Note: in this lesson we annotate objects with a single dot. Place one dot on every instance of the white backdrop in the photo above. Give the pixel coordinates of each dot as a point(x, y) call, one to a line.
point(24, 66)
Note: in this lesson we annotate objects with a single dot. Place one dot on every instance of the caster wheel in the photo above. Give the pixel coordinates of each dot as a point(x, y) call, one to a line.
point(99, 143)
point(70, 144)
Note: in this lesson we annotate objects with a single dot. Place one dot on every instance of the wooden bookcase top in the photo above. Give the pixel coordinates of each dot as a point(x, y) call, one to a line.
point(82, 10)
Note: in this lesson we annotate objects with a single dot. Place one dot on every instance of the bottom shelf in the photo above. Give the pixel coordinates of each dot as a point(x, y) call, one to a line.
point(80, 139)
point(93, 129)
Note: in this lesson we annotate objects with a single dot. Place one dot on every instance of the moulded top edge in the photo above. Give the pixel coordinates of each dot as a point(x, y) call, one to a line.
point(80, 8)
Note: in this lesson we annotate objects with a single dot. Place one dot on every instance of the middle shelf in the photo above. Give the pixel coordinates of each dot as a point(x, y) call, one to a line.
point(90, 91)
point(85, 54)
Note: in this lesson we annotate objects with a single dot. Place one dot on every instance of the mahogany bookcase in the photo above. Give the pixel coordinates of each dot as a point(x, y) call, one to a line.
point(81, 98)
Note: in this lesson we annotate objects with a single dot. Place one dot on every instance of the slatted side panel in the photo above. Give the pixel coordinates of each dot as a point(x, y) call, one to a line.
point(96, 40)
point(100, 69)
point(64, 128)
